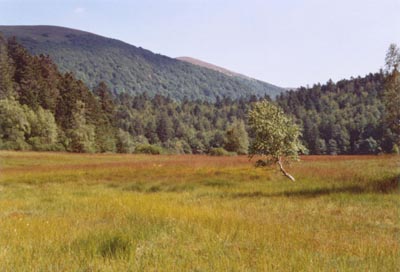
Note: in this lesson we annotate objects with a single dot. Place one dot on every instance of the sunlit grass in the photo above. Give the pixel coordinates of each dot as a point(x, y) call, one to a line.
point(69, 212)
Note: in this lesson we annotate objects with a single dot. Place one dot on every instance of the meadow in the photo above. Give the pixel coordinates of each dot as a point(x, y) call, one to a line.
point(108, 212)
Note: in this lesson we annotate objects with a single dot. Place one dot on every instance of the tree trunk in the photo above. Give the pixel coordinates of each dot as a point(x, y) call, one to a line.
point(286, 174)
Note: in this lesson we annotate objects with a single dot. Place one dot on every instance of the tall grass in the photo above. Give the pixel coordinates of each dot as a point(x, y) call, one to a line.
point(69, 212)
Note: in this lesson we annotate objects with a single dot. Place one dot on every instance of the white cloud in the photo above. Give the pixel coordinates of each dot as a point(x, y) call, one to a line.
point(79, 10)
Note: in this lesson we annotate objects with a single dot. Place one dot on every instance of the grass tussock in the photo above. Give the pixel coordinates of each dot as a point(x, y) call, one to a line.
point(70, 212)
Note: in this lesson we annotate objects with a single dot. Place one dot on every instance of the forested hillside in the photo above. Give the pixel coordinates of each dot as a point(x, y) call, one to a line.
point(44, 109)
point(342, 118)
point(134, 70)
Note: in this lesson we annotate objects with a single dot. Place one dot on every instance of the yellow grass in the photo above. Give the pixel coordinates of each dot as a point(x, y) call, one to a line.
point(69, 212)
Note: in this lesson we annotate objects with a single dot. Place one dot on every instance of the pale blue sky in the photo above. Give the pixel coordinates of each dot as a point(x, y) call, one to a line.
point(287, 42)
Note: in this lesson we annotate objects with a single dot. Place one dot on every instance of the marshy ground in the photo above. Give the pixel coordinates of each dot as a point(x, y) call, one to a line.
point(70, 212)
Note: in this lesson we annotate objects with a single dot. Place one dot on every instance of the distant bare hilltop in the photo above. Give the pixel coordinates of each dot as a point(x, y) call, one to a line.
point(131, 69)
point(211, 66)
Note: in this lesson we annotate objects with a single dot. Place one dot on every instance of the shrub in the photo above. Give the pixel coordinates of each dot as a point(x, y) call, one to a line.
point(395, 149)
point(176, 146)
point(125, 142)
point(219, 151)
point(148, 149)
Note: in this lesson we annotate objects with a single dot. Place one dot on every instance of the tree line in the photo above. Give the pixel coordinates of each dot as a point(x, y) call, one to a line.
point(44, 109)
point(346, 117)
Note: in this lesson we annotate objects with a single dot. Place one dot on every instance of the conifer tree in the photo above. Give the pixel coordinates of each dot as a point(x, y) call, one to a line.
point(392, 91)
point(6, 72)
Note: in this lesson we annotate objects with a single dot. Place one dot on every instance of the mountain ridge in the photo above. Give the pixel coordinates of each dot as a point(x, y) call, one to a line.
point(211, 66)
point(128, 68)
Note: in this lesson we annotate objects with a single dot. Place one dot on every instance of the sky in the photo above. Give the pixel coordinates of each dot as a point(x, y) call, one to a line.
point(289, 43)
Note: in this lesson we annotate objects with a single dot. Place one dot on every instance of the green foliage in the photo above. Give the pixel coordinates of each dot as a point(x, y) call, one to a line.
point(106, 135)
point(46, 110)
point(236, 138)
point(129, 69)
point(395, 149)
point(14, 125)
point(176, 146)
point(219, 151)
point(148, 149)
point(6, 71)
point(81, 133)
point(164, 128)
point(368, 146)
point(23, 129)
point(392, 92)
point(274, 133)
point(125, 142)
point(44, 131)
point(183, 127)
point(332, 147)
point(348, 112)
point(106, 139)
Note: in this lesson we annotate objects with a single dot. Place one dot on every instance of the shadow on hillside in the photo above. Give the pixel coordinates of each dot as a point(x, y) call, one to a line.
point(379, 187)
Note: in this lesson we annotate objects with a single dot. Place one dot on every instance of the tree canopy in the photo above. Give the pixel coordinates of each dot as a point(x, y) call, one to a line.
point(36, 99)
point(129, 69)
point(392, 92)
point(275, 134)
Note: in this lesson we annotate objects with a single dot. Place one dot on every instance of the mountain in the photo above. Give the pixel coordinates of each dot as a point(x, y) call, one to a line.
point(211, 66)
point(42, 109)
point(127, 68)
point(253, 83)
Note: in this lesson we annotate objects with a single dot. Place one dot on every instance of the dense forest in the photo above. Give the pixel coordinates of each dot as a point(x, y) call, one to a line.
point(44, 109)
point(342, 118)
point(130, 69)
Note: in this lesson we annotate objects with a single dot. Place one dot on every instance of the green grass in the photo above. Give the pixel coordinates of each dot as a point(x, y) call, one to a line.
point(69, 212)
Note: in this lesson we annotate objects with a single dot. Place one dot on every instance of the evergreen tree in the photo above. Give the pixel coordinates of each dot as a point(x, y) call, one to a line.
point(392, 91)
point(106, 101)
point(6, 72)
point(42, 109)
point(332, 147)
point(164, 127)
point(24, 74)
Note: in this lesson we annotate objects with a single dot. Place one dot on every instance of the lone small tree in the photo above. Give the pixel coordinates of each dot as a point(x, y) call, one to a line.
point(274, 135)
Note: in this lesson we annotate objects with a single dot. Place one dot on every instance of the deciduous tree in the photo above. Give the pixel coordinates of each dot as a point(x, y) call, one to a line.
point(237, 139)
point(275, 135)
